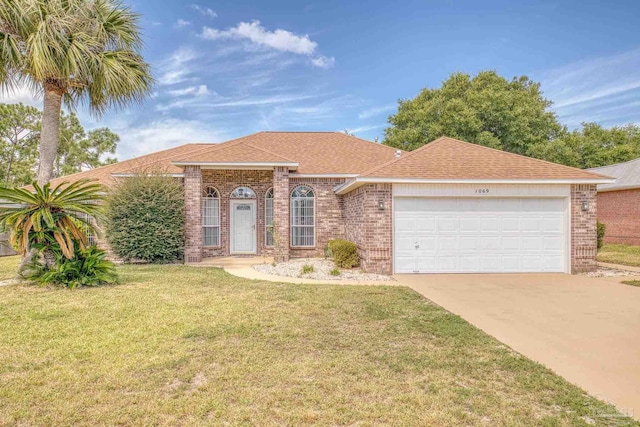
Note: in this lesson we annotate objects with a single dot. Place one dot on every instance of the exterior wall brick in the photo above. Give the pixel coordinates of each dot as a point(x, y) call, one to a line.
point(281, 213)
point(225, 181)
point(620, 212)
point(370, 227)
point(583, 228)
point(329, 212)
point(193, 220)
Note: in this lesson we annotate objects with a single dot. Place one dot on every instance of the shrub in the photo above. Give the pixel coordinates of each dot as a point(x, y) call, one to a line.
point(345, 253)
point(307, 268)
point(602, 228)
point(88, 267)
point(327, 252)
point(145, 219)
point(334, 271)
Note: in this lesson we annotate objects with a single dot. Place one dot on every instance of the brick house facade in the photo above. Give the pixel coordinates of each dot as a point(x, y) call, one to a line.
point(620, 212)
point(327, 185)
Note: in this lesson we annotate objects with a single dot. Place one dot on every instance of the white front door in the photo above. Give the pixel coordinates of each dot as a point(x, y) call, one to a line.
point(243, 226)
point(471, 235)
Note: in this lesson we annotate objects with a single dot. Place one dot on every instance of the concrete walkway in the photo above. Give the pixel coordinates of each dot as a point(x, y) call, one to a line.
point(585, 329)
point(242, 266)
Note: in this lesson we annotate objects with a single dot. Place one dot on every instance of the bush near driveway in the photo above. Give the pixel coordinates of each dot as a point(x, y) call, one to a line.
point(174, 345)
point(145, 219)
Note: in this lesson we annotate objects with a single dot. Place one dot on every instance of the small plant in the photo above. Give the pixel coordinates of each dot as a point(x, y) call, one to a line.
point(88, 267)
point(273, 264)
point(327, 252)
point(602, 228)
point(345, 253)
point(334, 271)
point(307, 268)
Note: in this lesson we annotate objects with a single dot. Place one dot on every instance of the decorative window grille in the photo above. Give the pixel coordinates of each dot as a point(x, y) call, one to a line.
point(302, 217)
point(268, 217)
point(210, 217)
point(86, 218)
point(243, 193)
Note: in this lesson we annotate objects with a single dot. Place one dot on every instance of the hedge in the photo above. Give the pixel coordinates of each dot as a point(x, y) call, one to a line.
point(145, 219)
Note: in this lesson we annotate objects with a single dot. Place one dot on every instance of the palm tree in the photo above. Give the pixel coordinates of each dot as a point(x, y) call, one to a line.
point(76, 51)
point(47, 219)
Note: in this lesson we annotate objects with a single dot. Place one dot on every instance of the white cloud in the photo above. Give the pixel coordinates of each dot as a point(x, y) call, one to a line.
point(181, 23)
point(175, 68)
point(584, 90)
point(206, 11)
point(279, 39)
point(323, 61)
point(162, 134)
point(156, 23)
point(375, 111)
point(200, 90)
point(21, 94)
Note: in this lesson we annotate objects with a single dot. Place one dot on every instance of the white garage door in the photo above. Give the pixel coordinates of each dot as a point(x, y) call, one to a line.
point(465, 235)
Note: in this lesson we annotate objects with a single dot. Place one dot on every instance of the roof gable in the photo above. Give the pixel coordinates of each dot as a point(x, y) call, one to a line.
point(449, 158)
point(315, 152)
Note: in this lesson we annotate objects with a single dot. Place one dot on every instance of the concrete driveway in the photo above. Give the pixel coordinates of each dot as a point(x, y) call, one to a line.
point(585, 329)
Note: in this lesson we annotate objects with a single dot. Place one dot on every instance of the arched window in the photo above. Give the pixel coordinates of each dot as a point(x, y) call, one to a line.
point(268, 217)
point(243, 193)
point(303, 217)
point(210, 217)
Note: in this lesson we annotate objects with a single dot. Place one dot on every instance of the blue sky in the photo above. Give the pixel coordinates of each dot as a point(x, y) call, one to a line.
point(229, 68)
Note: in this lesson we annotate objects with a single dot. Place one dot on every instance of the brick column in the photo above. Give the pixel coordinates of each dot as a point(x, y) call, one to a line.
point(281, 213)
point(583, 228)
point(193, 213)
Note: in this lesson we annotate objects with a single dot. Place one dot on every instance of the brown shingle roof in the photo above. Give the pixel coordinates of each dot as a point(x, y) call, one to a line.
point(448, 158)
point(315, 152)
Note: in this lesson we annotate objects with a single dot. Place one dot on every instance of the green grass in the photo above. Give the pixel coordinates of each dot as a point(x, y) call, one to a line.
point(631, 282)
point(620, 254)
point(174, 345)
point(9, 267)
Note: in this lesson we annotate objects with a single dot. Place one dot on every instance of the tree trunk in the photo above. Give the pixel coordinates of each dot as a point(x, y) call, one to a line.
point(50, 132)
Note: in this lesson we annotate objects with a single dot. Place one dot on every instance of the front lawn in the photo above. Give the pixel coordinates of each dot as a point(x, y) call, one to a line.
point(9, 267)
point(620, 254)
point(176, 345)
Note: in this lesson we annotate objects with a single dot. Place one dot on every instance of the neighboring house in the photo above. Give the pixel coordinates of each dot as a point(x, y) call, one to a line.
point(619, 202)
point(449, 206)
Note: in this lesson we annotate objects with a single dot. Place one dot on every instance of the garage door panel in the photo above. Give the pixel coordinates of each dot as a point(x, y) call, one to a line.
point(447, 224)
point(468, 243)
point(510, 224)
point(479, 235)
point(469, 224)
point(426, 223)
point(511, 244)
point(551, 224)
point(489, 224)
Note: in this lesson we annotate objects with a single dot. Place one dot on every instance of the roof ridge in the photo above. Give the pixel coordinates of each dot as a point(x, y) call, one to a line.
point(397, 159)
point(443, 138)
point(270, 152)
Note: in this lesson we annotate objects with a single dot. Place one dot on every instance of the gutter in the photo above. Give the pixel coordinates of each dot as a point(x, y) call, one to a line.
point(358, 182)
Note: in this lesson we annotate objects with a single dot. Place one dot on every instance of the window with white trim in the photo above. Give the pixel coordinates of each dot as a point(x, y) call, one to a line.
point(303, 217)
point(268, 217)
point(243, 193)
point(210, 217)
point(85, 220)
